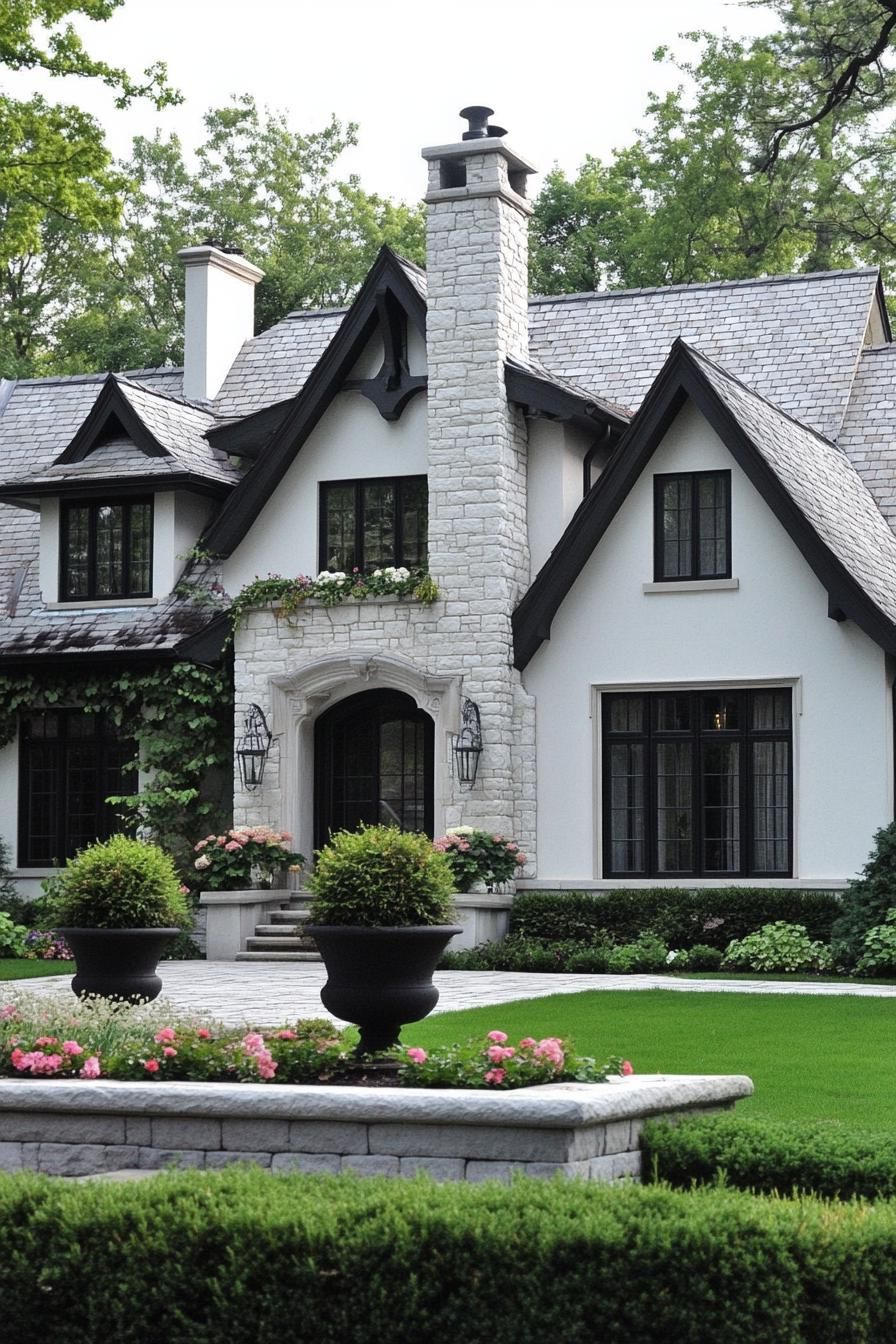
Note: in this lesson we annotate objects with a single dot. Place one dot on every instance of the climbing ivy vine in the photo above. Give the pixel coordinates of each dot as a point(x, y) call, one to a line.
point(180, 716)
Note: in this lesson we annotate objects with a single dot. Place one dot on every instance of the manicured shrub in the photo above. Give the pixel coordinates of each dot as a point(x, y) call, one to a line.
point(867, 900)
point(680, 918)
point(879, 955)
point(12, 937)
point(647, 955)
point(381, 876)
point(700, 957)
point(512, 954)
point(243, 1256)
point(777, 947)
point(120, 884)
point(768, 1156)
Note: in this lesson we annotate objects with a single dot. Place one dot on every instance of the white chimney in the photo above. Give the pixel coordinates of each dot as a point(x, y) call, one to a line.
point(219, 315)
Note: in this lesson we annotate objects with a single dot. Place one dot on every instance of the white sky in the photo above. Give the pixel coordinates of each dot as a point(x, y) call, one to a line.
point(566, 77)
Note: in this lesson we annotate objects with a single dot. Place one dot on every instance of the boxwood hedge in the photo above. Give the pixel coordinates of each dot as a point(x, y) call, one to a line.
point(681, 918)
point(769, 1156)
point(250, 1258)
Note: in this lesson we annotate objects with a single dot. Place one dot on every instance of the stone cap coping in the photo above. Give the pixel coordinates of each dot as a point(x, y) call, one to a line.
point(551, 1106)
point(491, 900)
point(248, 896)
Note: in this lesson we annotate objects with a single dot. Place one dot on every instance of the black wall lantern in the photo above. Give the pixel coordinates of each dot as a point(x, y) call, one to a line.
point(468, 745)
point(253, 747)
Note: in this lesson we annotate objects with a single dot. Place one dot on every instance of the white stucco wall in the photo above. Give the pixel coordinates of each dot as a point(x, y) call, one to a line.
point(610, 634)
point(555, 488)
point(352, 440)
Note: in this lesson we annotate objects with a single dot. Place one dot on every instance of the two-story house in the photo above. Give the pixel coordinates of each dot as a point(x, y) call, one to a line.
point(660, 523)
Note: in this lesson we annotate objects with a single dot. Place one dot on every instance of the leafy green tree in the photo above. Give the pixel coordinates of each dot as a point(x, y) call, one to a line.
point(745, 170)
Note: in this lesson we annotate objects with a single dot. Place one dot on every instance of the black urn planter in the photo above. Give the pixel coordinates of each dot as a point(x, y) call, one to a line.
point(380, 978)
point(117, 963)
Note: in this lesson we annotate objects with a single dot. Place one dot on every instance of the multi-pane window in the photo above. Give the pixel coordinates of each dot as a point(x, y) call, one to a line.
point(369, 524)
point(692, 526)
point(105, 549)
point(697, 783)
point(70, 762)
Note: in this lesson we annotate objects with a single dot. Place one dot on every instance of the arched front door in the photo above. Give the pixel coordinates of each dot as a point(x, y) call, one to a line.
point(373, 756)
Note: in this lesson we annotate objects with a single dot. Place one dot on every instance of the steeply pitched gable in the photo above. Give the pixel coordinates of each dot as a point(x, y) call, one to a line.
point(807, 482)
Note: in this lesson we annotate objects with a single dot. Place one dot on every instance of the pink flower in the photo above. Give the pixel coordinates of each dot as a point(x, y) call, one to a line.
point(527, 1042)
point(202, 862)
point(91, 1067)
point(72, 1048)
point(151, 1065)
point(253, 1041)
point(36, 1062)
point(286, 1035)
point(495, 1076)
point(204, 1034)
point(169, 1052)
point(626, 1070)
point(265, 1064)
point(232, 845)
point(521, 859)
point(416, 1055)
point(45, 1040)
point(499, 1037)
point(7, 1011)
point(199, 846)
point(497, 1053)
point(16, 1058)
point(551, 1049)
point(166, 1034)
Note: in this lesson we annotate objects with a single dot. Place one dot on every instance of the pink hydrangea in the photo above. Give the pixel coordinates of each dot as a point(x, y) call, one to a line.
point(36, 1062)
point(528, 1042)
point(496, 1076)
point(265, 1064)
point(416, 1055)
point(91, 1067)
point(232, 845)
point(499, 1037)
point(166, 1035)
point(169, 1052)
point(72, 1048)
point(626, 1070)
point(253, 1041)
point(7, 1011)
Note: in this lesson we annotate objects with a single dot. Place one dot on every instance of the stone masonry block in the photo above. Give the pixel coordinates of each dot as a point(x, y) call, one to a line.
point(43, 1128)
point(216, 1160)
point(615, 1166)
point(472, 1141)
point(371, 1164)
point(439, 1168)
point(494, 1171)
point(312, 1164)
point(271, 1136)
point(617, 1138)
point(138, 1130)
point(11, 1157)
point(175, 1158)
point(318, 1136)
point(185, 1132)
point(83, 1159)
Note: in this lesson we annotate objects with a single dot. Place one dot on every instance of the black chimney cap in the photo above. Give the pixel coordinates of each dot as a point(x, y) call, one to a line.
point(479, 129)
point(223, 247)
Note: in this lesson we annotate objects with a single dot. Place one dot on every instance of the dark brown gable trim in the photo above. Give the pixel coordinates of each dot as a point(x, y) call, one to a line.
point(324, 381)
point(111, 404)
point(679, 380)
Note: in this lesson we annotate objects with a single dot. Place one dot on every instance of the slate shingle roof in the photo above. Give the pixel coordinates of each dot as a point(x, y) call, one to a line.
point(822, 482)
point(868, 436)
point(275, 365)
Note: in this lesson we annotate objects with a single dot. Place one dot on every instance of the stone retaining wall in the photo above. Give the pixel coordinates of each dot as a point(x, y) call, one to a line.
point(590, 1131)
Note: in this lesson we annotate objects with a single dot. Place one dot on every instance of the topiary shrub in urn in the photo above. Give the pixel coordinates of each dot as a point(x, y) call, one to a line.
point(381, 919)
point(117, 904)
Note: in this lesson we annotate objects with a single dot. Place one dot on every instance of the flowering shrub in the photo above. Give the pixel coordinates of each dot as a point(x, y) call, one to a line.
point(232, 861)
point(492, 1063)
point(332, 587)
point(777, 947)
point(44, 945)
point(879, 956)
point(479, 856)
point(12, 937)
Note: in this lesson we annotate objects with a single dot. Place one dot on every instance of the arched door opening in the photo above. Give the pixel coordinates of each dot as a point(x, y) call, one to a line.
point(373, 763)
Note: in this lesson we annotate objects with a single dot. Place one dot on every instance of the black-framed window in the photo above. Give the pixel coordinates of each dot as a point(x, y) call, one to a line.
point(105, 549)
point(374, 522)
point(698, 783)
point(692, 526)
point(70, 762)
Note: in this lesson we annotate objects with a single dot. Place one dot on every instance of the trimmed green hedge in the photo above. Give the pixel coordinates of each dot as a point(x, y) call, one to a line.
point(681, 918)
point(769, 1156)
point(250, 1258)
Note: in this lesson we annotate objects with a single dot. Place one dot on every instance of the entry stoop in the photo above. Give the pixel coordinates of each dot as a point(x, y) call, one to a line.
point(281, 937)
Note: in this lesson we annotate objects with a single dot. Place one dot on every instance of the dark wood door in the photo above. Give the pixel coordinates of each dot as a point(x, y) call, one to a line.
point(373, 763)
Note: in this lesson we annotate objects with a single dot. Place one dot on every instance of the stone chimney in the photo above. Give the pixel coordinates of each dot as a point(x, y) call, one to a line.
point(219, 315)
point(477, 316)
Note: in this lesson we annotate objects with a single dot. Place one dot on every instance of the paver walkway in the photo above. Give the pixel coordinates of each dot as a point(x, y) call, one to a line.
point(270, 993)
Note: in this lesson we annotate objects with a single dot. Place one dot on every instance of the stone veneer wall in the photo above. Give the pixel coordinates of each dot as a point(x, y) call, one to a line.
point(477, 316)
point(588, 1131)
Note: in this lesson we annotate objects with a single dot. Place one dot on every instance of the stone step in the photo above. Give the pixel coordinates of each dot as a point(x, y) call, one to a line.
point(277, 942)
point(278, 956)
point(284, 933)
point(288, 916)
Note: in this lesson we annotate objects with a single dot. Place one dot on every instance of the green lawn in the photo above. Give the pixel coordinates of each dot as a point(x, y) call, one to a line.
point(20, 969)
point(809, 1058)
